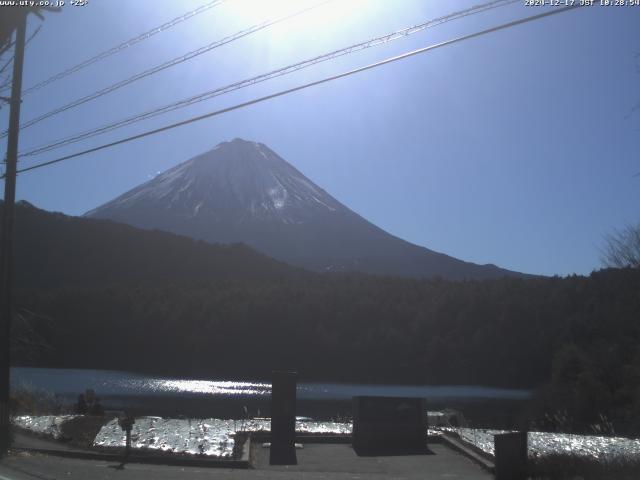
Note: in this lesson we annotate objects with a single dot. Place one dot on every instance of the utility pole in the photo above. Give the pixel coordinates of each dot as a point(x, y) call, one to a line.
point(6, 245)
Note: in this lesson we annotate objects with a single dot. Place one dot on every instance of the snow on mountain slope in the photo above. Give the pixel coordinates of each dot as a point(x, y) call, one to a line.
point(244, 192)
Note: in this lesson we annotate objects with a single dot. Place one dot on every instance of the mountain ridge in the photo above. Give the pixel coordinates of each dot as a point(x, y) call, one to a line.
point(54, 250)
point(242, 191)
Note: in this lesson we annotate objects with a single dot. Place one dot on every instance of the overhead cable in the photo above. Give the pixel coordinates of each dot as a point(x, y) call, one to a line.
point(403, 56)
point(122, 46)
point(163, 66)
point(266, 76)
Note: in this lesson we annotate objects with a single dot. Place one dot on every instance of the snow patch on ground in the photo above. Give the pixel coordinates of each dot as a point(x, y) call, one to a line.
point(210, 436)
point(215, 437)
point(547, 443)
point(197, 437)
point(49, 425)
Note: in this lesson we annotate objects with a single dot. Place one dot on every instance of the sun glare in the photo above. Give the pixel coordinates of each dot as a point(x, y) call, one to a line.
point(322, 15)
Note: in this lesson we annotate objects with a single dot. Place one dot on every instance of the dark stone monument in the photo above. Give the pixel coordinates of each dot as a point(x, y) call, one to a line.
point(511, 456)
point(283, 418)
point(389, 426)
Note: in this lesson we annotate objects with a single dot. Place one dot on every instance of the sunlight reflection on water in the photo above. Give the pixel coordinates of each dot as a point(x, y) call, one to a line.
point(71, 382)
point(209, 387)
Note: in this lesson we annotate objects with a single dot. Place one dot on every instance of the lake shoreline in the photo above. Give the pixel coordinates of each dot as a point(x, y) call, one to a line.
point(522, 389)
point(171, 397)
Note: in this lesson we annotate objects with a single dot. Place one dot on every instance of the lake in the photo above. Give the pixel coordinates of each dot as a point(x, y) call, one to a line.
point(156, 395)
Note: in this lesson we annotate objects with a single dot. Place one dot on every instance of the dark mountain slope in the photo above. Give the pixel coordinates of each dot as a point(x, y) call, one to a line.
point(54, 250)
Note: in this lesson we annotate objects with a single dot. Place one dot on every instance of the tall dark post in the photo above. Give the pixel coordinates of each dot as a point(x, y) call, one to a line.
point(511, 456)
point(283, 418)
point(6, 243)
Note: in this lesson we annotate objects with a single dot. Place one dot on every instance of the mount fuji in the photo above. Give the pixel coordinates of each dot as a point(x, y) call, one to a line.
point(243, 191)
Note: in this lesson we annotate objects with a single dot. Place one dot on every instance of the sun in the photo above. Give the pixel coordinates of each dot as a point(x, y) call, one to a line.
point(314, 13)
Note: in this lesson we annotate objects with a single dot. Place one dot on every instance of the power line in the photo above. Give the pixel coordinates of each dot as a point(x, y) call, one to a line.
point(10, 60)
point(163, 66)
point(26, 43)
point(304, 86)
point(6, 64)
point(122, 46)
point(266, 76)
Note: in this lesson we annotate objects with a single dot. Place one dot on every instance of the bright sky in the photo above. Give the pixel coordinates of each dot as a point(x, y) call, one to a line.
point(518, 148)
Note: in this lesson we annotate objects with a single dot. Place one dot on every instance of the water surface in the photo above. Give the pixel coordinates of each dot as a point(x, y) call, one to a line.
point(169, 396)
point(110, 382)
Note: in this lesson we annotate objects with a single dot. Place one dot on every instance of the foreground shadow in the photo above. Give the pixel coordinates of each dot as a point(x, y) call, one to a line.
point(393, 452)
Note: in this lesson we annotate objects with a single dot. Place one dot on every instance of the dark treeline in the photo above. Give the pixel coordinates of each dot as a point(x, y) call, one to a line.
point(579, 336)
point(96, 294)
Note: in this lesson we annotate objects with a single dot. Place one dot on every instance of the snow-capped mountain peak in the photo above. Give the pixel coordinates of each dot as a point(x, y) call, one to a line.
point(241, 178)
point(243, 191)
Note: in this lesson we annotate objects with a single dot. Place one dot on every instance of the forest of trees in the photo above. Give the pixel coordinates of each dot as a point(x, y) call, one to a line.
point(191, 309)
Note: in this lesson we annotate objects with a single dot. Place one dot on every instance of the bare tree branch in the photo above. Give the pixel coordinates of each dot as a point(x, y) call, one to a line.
point(623, 248)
